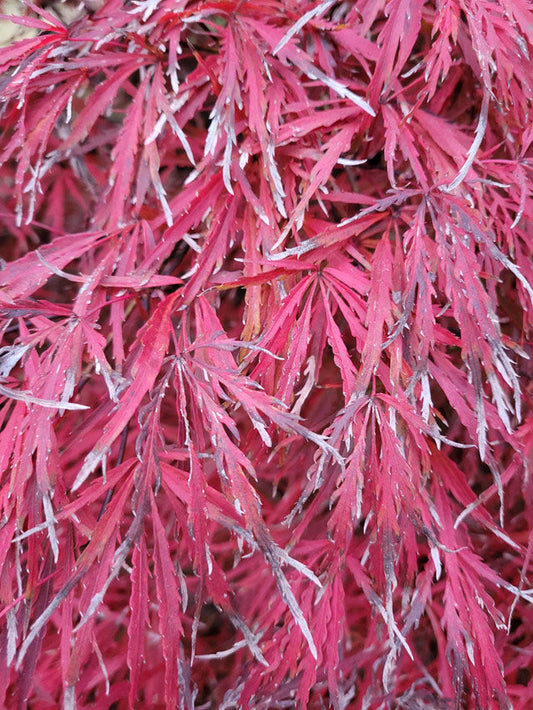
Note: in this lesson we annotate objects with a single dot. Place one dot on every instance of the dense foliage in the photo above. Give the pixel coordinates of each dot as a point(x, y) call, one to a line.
point(265, 377)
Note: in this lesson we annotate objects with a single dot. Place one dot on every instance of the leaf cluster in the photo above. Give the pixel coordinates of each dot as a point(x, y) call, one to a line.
point(266, 301)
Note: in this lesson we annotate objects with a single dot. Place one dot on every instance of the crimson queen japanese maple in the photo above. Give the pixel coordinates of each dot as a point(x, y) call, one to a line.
point(265, 395)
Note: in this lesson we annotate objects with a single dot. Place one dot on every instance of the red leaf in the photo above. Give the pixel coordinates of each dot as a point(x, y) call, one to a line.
point(168, 607)
point(144, 368)
point(139, 621)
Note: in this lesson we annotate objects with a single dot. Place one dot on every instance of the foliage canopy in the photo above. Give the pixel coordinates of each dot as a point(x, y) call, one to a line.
point(265, 379)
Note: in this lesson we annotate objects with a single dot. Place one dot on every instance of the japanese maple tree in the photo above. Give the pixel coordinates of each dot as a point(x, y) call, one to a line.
point(266, 301)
